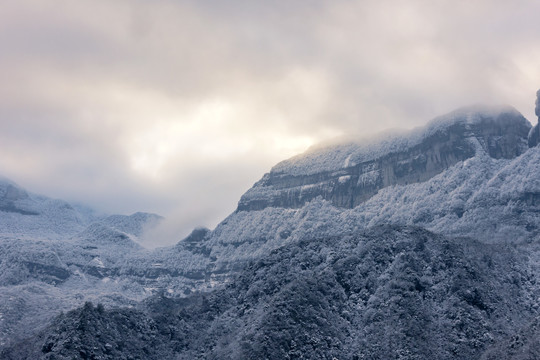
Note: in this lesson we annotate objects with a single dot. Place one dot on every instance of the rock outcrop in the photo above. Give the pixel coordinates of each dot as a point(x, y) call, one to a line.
point(348, 175)
point(534, 134)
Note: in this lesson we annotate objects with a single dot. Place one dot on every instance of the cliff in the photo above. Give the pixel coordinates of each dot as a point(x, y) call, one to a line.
point(349, 174)
point(534, 134)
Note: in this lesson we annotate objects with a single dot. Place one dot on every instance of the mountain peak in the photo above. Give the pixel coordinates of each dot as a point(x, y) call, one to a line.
point(347, 174)
point(342, 155)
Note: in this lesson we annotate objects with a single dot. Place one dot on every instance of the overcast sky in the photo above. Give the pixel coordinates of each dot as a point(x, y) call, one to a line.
point(178, 107)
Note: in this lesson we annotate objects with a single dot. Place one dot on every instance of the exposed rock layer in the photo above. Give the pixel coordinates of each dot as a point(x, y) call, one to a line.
point(534, 134)
point(502, 135)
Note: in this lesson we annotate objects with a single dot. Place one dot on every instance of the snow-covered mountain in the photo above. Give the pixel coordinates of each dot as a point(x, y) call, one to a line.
point(388, 292)
point(349, 174)
point(53, 255)
point(36, 217)
point(444, 217)
point(27, 215)
point(469, 173)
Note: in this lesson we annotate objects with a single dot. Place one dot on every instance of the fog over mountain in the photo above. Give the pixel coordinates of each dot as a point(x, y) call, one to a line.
point(124, 105)
point(348, 179)
point(421, 244)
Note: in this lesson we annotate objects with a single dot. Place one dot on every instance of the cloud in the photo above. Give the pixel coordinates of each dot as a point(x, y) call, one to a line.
point(177, 107)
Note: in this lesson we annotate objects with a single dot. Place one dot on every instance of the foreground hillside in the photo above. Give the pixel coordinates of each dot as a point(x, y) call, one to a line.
point(385, 293)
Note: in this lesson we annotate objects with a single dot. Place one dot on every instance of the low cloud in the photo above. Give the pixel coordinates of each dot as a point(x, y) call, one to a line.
point(177, 107)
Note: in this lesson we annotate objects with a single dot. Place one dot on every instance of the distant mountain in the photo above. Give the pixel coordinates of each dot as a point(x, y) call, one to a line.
point(54, 255)
point(423, 244)
point(27, 215)
point(37, 217)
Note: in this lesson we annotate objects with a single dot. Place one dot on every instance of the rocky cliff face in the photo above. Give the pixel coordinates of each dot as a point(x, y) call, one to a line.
point(348, 175)
point(534, 134)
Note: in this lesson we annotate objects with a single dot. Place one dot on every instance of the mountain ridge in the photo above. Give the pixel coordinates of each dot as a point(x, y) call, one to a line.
point(25, 213)
point(351, 173)
point(486, 198)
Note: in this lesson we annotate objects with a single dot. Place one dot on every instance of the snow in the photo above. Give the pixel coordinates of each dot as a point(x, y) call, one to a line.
point(37, 217)
point(334, 157)
point(370, 177)
point(308, 187)
point(97, 262)
point(348, 162)
point(480, 197)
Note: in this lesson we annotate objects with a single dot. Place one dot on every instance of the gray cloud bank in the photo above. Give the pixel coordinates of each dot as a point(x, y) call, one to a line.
point(177, 107)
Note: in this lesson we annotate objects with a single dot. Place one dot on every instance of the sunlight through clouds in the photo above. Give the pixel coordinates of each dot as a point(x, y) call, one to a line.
point(178, 107)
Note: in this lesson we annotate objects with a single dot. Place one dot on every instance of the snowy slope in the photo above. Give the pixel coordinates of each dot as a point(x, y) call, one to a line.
point(493, 200)
point(134, 224)
point(54, 255)
point(386, 293)
point(32, 216)
point(478, 179)
point(323, 159)
point(488, 195)
point(349, 174)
